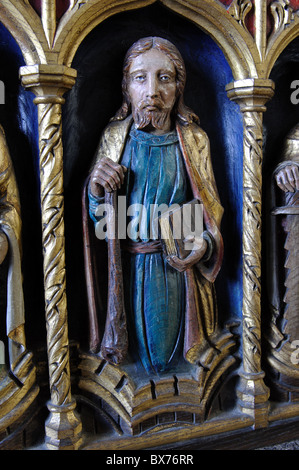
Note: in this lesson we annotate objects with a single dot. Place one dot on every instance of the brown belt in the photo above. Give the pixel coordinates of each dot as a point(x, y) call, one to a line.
point(142, 247)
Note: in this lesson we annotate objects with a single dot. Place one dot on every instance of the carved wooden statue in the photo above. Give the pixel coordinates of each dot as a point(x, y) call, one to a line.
point(159, 308)
point(10, 242)
point(17, 384)
point(285, 268)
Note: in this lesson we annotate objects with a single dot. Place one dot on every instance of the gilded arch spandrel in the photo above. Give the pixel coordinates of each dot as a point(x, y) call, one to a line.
point(81, 17)
point(25, 26)
point(235, 41)
point(226, 27)
point(285, 30)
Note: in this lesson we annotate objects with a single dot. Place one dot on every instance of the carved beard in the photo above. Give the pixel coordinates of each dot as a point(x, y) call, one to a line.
point(144, 117)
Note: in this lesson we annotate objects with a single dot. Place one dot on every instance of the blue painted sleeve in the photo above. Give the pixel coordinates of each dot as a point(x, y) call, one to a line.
point(93, 204)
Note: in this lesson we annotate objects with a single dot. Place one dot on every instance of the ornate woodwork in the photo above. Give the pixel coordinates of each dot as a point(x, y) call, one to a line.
point(146, 412)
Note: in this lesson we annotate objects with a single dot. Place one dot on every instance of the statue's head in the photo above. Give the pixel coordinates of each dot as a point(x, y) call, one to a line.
point(154, 78)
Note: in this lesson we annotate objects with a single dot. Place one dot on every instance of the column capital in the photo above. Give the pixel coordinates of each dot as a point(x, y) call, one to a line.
point(48, 82)
point(251, 93)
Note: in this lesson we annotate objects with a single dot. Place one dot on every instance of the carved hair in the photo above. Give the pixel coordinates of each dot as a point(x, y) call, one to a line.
point(184, 114)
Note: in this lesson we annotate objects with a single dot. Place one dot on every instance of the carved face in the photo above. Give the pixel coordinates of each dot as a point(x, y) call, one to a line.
point(152, 91)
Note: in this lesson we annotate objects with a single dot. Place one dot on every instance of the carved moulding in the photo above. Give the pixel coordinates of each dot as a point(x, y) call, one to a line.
point(63, 428)
point(56, 45)
point(45, 44)
point(154, 403)
point(16, 395)
point(252, 96)
point(285, 29)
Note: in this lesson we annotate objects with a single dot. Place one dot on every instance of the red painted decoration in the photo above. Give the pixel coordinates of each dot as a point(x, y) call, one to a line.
point(36, 4)
point(62, 6)
point(294, 4)
point(226, 2)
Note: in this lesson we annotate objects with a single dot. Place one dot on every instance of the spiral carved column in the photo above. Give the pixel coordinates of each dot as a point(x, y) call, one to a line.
point(252, 95)
point(63, 427)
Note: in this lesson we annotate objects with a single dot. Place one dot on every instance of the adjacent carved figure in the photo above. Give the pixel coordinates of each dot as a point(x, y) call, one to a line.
point(285, 266)
point(157, 308)
point(10, 245)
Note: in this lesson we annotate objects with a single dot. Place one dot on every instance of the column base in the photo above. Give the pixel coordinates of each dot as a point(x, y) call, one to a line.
point(63, 428)
point(253, 397)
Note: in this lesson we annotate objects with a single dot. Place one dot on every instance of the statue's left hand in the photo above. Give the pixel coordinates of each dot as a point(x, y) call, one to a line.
point(288, 178)
point(181, 265)
point(3, 247)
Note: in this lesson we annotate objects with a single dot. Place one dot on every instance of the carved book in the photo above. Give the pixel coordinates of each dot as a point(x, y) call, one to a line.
point(178, 226)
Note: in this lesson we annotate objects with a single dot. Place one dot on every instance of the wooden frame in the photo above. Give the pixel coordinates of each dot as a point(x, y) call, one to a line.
point(48, 50)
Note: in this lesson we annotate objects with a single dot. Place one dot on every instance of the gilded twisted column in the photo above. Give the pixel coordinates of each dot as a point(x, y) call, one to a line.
point(49, 117)
point(63, 428)
point(252, 95)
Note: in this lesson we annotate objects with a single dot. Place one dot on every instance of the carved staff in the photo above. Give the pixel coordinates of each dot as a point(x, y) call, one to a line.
point(115, 341)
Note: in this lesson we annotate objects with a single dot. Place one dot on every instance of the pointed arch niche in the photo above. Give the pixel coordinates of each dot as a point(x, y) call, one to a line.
point(97, 95)
point(79, 57)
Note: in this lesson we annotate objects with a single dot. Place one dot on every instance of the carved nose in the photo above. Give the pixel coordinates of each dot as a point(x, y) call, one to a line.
point(152, 90)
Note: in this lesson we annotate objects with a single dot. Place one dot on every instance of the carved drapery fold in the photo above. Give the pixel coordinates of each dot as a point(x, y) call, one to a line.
point(47, 42)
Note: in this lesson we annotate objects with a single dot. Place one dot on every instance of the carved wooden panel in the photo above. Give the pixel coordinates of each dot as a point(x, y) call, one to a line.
point(54, 45)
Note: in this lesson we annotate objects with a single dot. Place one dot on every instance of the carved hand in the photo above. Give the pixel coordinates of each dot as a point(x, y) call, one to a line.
point(106, 175)
point(3, 247)
point(195, 256)
point(288, 178)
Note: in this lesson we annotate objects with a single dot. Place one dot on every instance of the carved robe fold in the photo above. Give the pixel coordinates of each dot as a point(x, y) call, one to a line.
point(199, 297)
point(284, 264)
point(10, 224)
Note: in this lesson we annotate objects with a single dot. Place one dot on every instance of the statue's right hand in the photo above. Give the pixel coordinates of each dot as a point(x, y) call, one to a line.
point(106, 175)
point(287, 178)
point(3, 246)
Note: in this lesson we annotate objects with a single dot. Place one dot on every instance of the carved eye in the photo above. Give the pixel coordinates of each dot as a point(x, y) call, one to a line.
point(165, 78)
point(139, 77)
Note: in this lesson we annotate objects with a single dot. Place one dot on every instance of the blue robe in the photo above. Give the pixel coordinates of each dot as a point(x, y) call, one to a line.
point(155, 304)
point(154, 291)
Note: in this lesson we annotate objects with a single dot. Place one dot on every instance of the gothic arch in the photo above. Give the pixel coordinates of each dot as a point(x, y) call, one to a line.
point(32, 33)
point(238, 47)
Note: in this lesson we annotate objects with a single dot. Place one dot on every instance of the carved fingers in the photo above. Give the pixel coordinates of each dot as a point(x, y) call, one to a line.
point(199, 248)
point(106, 175)
point(288, 178)
point(3, 247)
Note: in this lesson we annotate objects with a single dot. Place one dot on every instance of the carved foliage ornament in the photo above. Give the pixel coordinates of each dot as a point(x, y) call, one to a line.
point(239, 10)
